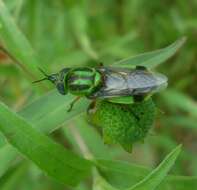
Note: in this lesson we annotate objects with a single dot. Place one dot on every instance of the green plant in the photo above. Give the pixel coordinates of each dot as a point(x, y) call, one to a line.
point(28, 135)
point(124, 123)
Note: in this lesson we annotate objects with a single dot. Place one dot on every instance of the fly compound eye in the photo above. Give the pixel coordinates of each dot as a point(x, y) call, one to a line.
point(61, 89)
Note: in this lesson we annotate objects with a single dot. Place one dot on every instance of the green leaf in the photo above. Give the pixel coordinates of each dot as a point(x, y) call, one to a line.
point(13, 178)
point(49, 156)
point(122, 175)
point(46, 114)
point(152, 59)
point(49, 111)
point(179, 183)
point(7, 155)
point(151, 181)
point(16, 42)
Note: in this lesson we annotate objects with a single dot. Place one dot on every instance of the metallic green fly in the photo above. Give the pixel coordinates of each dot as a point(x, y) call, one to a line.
point(117, 85)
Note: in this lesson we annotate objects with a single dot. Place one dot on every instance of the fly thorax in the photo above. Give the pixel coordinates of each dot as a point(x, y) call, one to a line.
point(83, 81)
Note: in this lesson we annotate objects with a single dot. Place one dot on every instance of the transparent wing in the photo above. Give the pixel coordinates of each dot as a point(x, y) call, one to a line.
point(141, 82)
point(126, 82)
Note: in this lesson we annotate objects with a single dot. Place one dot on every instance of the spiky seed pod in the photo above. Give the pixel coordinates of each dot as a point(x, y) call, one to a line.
point(123, 123)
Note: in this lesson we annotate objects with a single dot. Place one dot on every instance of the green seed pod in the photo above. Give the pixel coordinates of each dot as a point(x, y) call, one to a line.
point(123, 123)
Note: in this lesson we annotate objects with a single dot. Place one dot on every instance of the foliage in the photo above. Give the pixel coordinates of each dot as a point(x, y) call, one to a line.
point(125, 124)
point(39, 137)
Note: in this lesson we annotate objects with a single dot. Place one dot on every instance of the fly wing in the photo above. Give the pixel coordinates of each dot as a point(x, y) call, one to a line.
point(127, 82)
point(143, 82)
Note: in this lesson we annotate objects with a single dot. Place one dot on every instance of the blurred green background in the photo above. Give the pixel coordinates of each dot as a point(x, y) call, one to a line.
point(77, 33)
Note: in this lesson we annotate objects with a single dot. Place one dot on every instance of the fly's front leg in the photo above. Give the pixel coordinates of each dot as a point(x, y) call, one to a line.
point(72, 103)
point(100, 64)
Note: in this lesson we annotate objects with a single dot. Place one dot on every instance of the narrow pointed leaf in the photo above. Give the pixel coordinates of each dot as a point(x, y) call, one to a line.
point(152, 59)
point(46, 114)
point(123, 175)
point(49, 156)
point(151, 181)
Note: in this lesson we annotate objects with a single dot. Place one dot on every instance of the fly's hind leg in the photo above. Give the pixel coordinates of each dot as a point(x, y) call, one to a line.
point(92, 107)
point(72, 103)
point(139, 98)
point(140, 67)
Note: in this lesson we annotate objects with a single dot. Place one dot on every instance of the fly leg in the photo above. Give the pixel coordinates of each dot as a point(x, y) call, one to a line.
point(92, 107)
point(141, 97)
point(100, 64)
point(72, 103)
point(138, 98)
point(140, 67)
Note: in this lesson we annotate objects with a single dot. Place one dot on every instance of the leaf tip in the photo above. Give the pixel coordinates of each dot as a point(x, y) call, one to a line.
point(182, 40)
point(177, 150)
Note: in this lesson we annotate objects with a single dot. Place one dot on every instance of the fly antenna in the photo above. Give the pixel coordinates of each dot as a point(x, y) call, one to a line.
point(45, 78)
point(39, 80)
point(42, 71)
